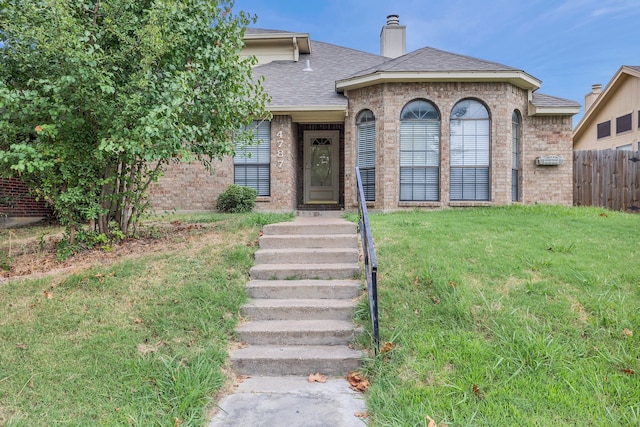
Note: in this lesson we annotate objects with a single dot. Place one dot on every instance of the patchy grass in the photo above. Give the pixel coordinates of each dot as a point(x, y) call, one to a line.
point(140, 341)
point(507, 316)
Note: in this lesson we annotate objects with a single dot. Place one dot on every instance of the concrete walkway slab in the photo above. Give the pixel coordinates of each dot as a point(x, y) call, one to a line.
point(291, 401)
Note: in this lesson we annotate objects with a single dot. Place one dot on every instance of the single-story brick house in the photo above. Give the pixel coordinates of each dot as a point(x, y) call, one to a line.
point(427, 128)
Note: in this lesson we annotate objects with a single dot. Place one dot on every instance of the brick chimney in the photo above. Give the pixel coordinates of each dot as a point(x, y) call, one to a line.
point(393, 38)
point(591, 97)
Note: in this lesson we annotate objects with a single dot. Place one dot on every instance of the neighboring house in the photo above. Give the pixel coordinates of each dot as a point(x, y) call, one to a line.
point(15, 201)
point(428, 129)
point(612, 117)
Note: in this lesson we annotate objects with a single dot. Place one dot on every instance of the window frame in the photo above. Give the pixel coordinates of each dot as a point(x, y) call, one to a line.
point(604, 127)
point(419, 157)
point(516, 153)
point(467, 167)
point(366, 152)
point(254, 158)
point(624, 123)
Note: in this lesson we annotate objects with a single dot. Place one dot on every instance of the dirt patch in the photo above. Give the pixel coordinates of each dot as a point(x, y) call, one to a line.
point(35, 256)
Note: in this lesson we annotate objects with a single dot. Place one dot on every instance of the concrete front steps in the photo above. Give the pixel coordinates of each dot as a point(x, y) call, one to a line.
point(302, 294)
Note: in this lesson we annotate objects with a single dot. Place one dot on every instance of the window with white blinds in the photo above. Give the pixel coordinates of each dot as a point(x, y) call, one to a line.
point(469, 151)
point(515, 155)
point(252, 162)
point(366, 157)
point(419, 152)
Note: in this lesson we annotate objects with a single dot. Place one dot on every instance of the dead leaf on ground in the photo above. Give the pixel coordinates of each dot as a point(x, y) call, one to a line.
point(21, 346)
point(317, 378)
point(453, 284)
point(629, 371)
point(362, 414)
point(48, 295)
point(387, 347)
point(357, 381)
point(477, 392)
point(627, 332)
point(138, 321)
point(241, 378)
point(432, 423)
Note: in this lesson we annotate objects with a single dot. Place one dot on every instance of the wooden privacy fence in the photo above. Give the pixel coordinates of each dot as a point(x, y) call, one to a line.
point(607, 178)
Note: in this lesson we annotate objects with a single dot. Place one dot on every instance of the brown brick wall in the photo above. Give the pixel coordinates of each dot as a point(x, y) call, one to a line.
point(15, 200)
point(190, 187)
point(545, 136)
point(541, 135)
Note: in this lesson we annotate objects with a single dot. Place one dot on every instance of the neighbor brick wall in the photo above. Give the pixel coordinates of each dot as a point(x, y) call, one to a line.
point(550, 135)
point(15, 200)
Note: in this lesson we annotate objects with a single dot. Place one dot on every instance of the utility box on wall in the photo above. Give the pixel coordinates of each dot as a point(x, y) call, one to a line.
point(549, 160)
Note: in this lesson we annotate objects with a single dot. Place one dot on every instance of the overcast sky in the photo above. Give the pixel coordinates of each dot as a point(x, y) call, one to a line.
point(568, 44)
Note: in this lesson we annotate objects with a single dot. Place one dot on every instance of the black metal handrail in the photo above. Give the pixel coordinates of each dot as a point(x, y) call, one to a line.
point(370, 264)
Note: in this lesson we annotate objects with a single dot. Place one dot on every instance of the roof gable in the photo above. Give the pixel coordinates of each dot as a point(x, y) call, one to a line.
point(430, 64)
point(618, 79)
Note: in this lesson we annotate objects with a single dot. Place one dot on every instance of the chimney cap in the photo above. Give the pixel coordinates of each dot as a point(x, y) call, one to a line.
point(595, 88)
point(393, 19)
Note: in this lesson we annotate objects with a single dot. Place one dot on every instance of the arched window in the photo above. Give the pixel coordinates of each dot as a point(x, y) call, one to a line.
point(469, 139)
point(516, 132)
point(366, 158)
point(419, 152)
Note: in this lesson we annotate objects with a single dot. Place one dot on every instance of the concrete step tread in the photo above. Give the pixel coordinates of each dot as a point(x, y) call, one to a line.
point(307, 250)
point(304, 289)
point(330, 266)
point(280, 360)
point(305, 271)
point(312, 325)
point(296, 352)
point(305, 256)
point(311, 226)
point(299, 302)
point(305, 283)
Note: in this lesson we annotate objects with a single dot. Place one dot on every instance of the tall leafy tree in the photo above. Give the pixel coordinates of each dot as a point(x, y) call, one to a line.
point(97, 97)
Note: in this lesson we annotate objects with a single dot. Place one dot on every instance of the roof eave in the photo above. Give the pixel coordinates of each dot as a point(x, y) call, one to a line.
point(517, 78)
point(311, 113)
point(302, 39)
point(553, 111)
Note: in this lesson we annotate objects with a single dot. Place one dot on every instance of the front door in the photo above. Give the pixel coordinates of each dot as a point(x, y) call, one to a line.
point(321, 167)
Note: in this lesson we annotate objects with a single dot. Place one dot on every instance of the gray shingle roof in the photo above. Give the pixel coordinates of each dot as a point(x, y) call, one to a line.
point(289, 85)
point(634, 67)
point(430, 59)
point(542, 100)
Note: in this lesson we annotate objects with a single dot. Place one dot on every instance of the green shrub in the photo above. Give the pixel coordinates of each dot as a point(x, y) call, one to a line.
point(237, 199)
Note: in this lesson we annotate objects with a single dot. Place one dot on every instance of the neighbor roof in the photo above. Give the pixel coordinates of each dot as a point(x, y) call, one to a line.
point(622, 73)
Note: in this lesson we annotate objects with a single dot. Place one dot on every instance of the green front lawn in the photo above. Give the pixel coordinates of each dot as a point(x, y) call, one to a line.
point(516, 316)
point(142, 342)
point(497, 317)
